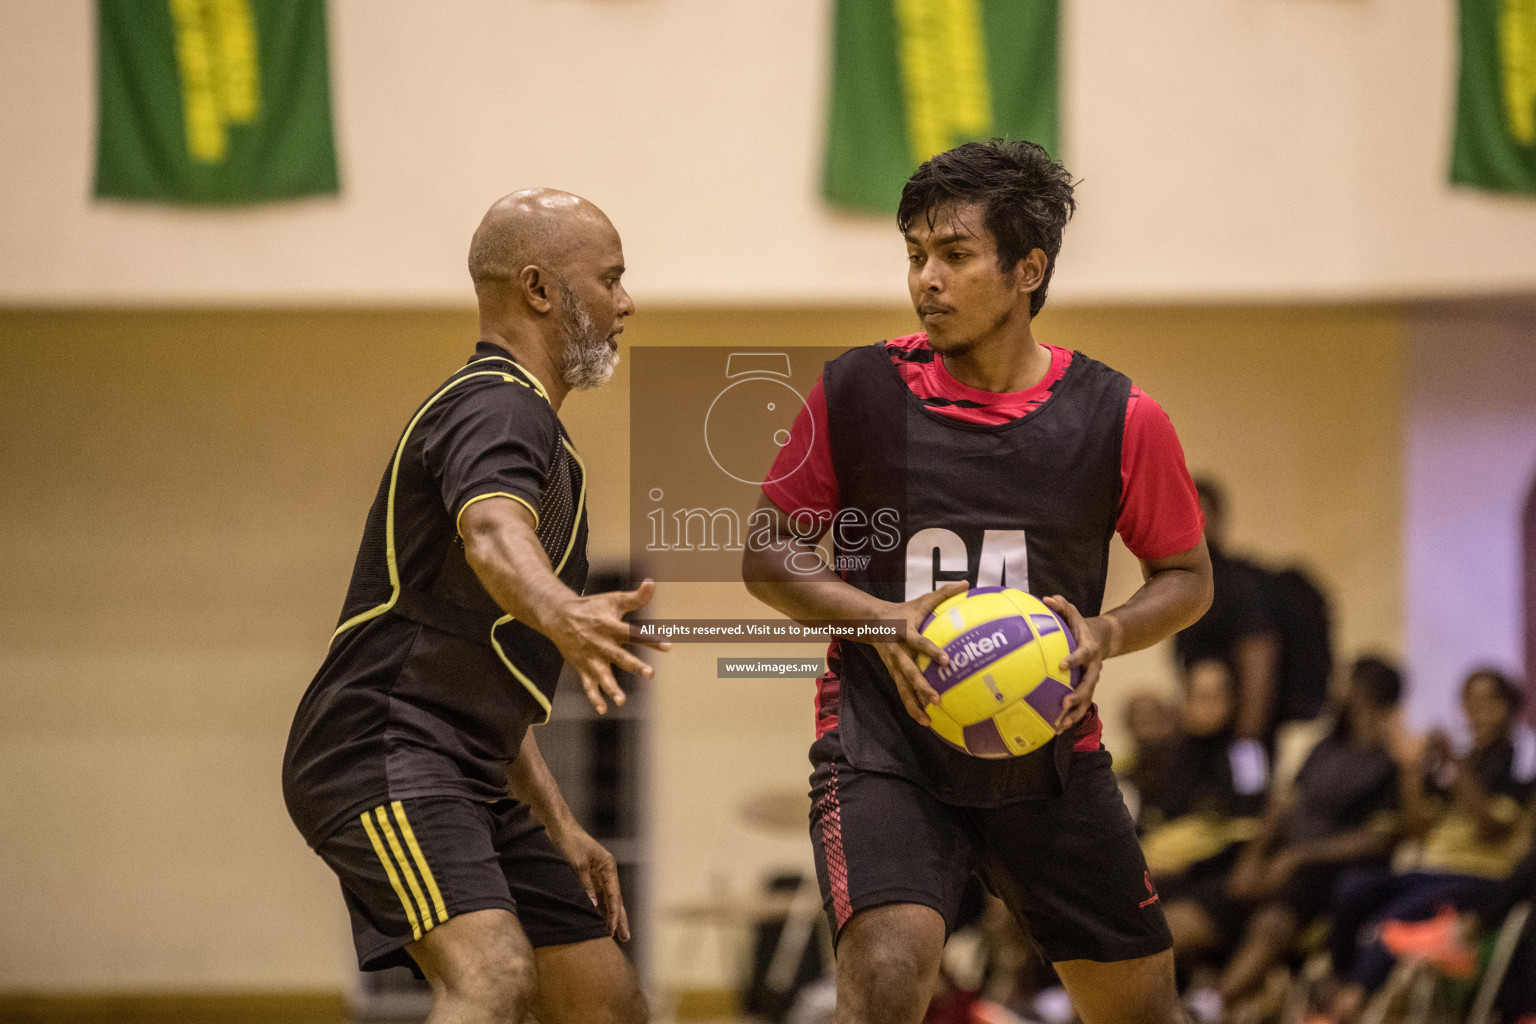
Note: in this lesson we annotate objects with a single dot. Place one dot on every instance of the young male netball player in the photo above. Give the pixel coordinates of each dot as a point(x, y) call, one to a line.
point(1006, 461)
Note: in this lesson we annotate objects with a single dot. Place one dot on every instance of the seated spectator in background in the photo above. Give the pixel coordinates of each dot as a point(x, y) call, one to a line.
point(1464, 832)
point(1154, 727)
point(1193, 828)
point(1239, 628)
point(1340, 813)
point(1448, 941)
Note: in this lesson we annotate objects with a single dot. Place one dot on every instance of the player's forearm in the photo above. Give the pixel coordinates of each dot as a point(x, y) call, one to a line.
point(808, 592)
point(1172, 598)
point(529, 780)
point(510, 562)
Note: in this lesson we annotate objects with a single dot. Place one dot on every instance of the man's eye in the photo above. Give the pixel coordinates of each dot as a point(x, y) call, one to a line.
point(914, 257)
point(956, 257)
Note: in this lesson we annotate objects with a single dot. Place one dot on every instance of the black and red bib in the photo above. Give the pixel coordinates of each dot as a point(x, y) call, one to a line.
point(927, 499)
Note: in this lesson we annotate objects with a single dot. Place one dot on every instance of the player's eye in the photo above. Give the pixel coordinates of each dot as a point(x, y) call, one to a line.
point(914, 257)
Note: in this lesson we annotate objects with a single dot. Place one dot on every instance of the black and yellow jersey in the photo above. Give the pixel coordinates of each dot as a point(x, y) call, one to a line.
point(428, 686)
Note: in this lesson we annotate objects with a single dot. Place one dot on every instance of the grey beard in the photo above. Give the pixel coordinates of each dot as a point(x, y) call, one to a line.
point(588, 361)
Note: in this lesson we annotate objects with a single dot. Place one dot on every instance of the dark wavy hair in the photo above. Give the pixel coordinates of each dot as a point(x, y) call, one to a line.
point(1025, 197)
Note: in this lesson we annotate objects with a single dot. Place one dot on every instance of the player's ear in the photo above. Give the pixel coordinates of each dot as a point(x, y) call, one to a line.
point(1031, 270)
point(537, 287)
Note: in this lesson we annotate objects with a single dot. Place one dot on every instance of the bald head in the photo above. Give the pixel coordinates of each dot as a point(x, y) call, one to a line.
point(535, 227)
point(547, 268)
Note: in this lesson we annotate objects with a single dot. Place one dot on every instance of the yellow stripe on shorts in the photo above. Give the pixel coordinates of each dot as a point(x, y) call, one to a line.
point(421, 861)
point(389, 869)
point(405, 867)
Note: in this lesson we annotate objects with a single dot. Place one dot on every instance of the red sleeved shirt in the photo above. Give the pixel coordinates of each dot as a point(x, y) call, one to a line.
point(1159, 510)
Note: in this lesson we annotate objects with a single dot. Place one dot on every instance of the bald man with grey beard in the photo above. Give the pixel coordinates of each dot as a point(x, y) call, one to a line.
point(411, 769)
point(557, 257)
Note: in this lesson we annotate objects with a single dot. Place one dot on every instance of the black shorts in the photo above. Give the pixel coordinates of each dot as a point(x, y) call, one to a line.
point(409, 865)
point(1068, 867)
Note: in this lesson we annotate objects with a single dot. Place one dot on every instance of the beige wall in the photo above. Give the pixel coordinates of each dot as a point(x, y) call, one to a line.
point(183, 494)
point(1269, 149)
point(181, 502)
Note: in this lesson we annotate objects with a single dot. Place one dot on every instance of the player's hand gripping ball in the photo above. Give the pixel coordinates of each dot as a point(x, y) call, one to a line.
point(1003, 686)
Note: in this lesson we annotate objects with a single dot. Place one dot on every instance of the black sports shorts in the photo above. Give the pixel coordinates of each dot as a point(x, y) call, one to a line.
point(1068, 867)
point(407, 866)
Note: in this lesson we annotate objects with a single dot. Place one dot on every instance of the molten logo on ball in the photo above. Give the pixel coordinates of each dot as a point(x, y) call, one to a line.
point(1003, 686)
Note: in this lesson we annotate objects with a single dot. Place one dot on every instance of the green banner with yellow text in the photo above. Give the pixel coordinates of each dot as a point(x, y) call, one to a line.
point(1495, 145)
point(213, 101)
point(912, 78)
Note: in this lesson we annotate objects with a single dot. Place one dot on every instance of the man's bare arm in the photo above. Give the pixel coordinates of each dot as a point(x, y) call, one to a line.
point(529, 780)
point(787, 573)
point(1176, 591)
point(503, 550)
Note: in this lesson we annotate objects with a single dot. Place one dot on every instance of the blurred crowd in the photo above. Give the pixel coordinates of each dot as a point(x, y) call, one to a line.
point(1304, 842)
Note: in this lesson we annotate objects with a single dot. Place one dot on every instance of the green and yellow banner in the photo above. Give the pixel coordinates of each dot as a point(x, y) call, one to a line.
point(213, 101)
point(1495, 145)
point(912, 78)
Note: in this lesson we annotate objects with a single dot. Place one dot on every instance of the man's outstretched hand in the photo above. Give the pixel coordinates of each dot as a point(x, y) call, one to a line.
point(591, 633)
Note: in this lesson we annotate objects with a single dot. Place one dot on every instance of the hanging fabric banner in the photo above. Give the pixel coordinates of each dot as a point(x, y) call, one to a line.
point(911, 78)
point(213, 101)
point(1495, 145)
